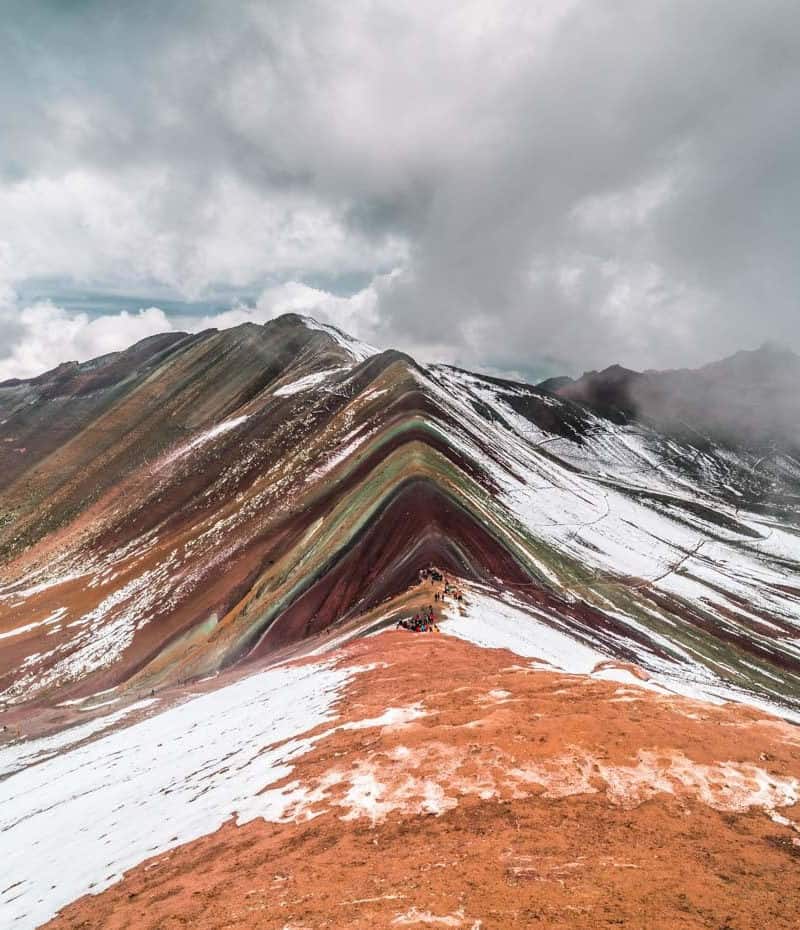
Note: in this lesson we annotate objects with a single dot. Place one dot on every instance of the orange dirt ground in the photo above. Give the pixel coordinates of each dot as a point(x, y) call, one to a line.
point(495, 796)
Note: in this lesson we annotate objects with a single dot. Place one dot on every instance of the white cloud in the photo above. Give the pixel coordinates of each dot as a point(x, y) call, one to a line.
point(45, 335)
point(641, 160)
point(356, 314)
point(87, 226)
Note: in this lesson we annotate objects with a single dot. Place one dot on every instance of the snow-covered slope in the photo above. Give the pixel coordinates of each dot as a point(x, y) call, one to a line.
point(298, 796)
point(87, 814)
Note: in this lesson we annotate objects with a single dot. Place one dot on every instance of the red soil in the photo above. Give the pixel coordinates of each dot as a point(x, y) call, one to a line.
point(549, 814)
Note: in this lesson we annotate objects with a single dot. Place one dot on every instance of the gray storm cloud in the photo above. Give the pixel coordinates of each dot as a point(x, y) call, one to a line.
point(507, 182)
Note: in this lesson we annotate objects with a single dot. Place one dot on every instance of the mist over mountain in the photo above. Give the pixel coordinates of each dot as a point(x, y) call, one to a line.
point(750, 397)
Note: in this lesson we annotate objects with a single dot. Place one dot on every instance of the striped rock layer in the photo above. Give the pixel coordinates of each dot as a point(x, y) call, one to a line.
point(202, 501)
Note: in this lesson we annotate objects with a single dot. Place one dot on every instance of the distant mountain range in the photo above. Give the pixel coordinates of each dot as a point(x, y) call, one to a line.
point(750, 398)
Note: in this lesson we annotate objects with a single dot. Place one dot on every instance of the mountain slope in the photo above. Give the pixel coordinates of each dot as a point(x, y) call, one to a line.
point(411, 781)
point(201, 537)
point(215, 498)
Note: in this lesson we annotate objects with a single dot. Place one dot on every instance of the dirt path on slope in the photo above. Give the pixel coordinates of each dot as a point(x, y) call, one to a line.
point(466, 790)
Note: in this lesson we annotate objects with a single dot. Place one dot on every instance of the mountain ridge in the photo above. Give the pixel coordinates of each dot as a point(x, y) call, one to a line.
point(237, 492)
point(212, 548)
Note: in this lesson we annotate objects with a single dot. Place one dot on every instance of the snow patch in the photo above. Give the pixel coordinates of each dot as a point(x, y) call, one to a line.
point(496, 624)
point(50, 619)
point(393, 717)
point(74, 822)
point(306, 383)
point(416, 916)
point(360, 351)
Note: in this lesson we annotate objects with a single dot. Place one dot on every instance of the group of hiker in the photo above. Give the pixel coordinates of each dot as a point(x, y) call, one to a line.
point(425, 622)
point(449, 589)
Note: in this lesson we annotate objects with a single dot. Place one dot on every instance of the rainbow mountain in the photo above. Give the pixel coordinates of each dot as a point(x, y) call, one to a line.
point(230, 499)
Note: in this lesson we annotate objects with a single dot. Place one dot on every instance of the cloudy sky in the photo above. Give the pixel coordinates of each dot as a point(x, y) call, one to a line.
point(522, 187)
